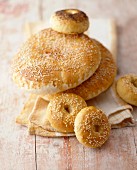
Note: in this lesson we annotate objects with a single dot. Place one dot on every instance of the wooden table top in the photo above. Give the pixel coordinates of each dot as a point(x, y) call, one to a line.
point(20, 151)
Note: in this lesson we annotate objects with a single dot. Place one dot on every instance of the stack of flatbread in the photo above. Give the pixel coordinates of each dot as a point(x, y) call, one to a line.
point(119, 113)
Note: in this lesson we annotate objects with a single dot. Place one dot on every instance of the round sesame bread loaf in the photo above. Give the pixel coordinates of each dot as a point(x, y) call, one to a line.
point(69, 21)
point(99, 81)
point(51, 62)
point(127, 88)
point(62, 110)
point(92, 127)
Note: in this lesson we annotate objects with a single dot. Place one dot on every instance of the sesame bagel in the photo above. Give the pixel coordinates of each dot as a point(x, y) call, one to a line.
point(91, 127)
point(51, 62)
point(99, 81)
point(127, 88)
point(69, 21)
point(62, 110)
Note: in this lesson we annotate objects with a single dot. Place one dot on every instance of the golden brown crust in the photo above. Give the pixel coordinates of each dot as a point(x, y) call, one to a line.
point(50, 62)
point(69, 21)
point(91, 127)
point(127, 88)
point(71, 14)
point(62, 110)
point(99, 81)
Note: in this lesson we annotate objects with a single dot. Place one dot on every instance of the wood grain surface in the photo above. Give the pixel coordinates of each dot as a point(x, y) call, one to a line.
point(18, 150)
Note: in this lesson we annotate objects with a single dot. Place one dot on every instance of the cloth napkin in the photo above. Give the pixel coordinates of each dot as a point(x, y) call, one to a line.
point(118, 111)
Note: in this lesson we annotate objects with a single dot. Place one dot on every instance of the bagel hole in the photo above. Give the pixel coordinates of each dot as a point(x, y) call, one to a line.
point(96, 128)
point(67, 108)
point(71, 11)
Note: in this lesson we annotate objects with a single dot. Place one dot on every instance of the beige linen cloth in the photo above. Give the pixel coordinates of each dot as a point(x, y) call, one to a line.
point(118, 112)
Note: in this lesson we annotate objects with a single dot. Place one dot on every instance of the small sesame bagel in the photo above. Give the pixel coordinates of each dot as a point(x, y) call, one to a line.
point(127, 88)
point(91, 127)
point(69, 21)
point(62, 110)
point(51, 62)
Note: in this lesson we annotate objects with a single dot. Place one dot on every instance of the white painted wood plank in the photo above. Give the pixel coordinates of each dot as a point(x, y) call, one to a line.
point(17, 148)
